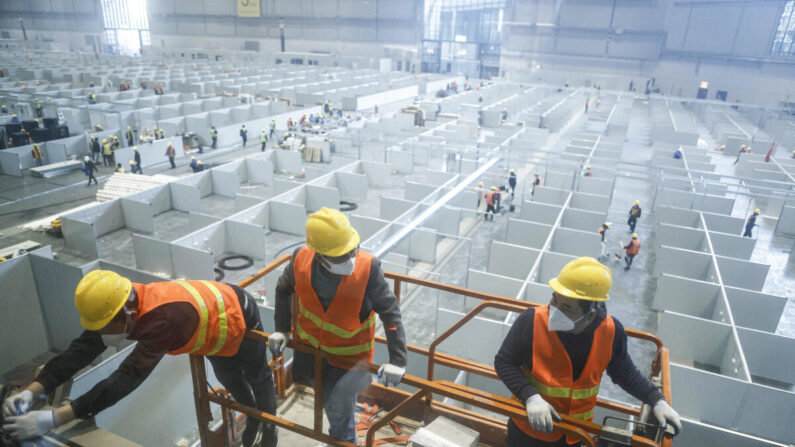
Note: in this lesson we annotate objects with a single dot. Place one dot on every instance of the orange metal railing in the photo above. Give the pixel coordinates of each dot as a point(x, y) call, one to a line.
point(584, 431)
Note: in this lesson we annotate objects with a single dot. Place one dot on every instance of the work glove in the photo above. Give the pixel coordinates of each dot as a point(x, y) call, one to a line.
point(664, 413)
point(390, 375)
point(18, 404)
point(540, 414)
point(276, 343)
point(30, 425)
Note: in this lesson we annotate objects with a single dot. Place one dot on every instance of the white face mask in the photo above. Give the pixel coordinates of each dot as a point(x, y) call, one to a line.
point(344, 269)
point(559, 322)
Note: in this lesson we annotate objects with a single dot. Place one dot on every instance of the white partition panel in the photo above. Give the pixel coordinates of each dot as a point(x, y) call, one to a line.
point(422, 245)
point(320, 196)
point(138, 216)
point(755, 310)
point(367, 226)
point(287, 217)
point(732, 246)
point(225, 183)
point(680, 237)
point(769, 355)
point(79, 235)
point(539, 212)
point(417, 192)
point(259, 171)
point(550, 266)
point(449, 220)
point(677, 333)
point(478, 341)
point(685, 263)
point(693, 385)
point(493, 283)
point(152, 255)
point(582, 220)
point(696, 433)
point(289, 161)
point(724, 224)
point(687, 296)
point(190, 263)
point(550, 196)
point(246, 239)
point(767, 412)
point(786, 221)
point(527, 234)
point(352, 186)
point(185, 197)
point(55, 284)
point(576, 243)
point(392, 207)
point(679, 216)
point(743, 274)
point(511, 260)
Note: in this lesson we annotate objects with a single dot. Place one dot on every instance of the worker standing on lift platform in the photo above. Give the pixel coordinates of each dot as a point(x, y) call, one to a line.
point(339, 290)
point(554, 356)
point(181, 317)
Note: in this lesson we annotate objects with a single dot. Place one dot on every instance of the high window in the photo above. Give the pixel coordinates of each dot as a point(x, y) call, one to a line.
point(782, 42)
point(126, 25)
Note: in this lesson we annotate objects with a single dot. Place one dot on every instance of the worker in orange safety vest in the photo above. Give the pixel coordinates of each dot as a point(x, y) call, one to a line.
point(632, 249)
point(553, 358)
point(339, 289)
point(181, 317)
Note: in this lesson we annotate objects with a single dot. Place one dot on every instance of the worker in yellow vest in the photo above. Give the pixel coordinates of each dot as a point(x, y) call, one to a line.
point(553, 358)
point(340, 289)
point(180, 317)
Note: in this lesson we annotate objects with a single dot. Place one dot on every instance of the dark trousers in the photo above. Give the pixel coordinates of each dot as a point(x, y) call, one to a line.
point(264, 143)
point(106, 160)
point(215, 140)
point(748, 229)
point(95, 156)
point(38, 161)
point(271, 134)
point(244, 141)
point(517, 438)
point(91, 177)
point(249, 378)
point(490, 209)
point(632, 221)
point(171, 160)
point(628, 258)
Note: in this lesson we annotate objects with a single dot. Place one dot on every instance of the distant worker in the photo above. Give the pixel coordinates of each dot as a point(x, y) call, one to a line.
point(37, 155)
point(134, 169)
point(92, 98)
point(586, 106)
point(93, 145)
point(536, 182)
point(751, 223)
point(263, 139)
point(743, 150)
point(15, 119)
point(492, 203)
point(479, 190)
point(272, 129)
point(632, 249)
point(137, 158)
point(38, 107)
point(603, 232)
point(634, 215)
point(587, 172)
point(194, 164)
point(88, 169)
point(107, 153)
point(793, 154)
point(339, 289)
point(512, 181)
point(678, 154)
point(182, 317)
point(199, 166)
point(244, 135)
point(171, 153)
point(130, 136)
point(214, 136)
point(120, 168)
point(554, 357)
point(3, 109)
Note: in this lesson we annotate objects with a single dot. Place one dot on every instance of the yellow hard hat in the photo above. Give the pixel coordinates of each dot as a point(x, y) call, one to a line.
point(583, 279)
point(329, 233)
point(104, 140)
point(494, 188)
point(3, 259)
point(99, 297)
point(199, 162)
point(132, 162)
point(756, 211)
point(35, 144)
point(481, 183)
point(634, 235)
point(607, 224)
point(14, 115)
point(135, 148)
point(637, 202)
point(192, 158)
point(511, 171)
point(587, 166)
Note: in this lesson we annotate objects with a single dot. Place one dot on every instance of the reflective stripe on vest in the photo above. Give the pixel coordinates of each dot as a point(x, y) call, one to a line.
point(204, 316)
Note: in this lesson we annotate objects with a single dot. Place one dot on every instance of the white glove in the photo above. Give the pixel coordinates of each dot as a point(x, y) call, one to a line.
point(540, 414)
point(390, 375)
point(276, 343)
point(18, 404)
point(664, 413)
point(30, 425)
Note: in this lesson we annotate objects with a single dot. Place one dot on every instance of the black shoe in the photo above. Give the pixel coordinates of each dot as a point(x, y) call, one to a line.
point(626, 268)
point(251, 434)
point(269, 436)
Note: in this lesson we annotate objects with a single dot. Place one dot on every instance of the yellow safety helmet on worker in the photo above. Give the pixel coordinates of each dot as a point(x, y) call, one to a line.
point(583, 279)
point(99, 296)
point(329, 233)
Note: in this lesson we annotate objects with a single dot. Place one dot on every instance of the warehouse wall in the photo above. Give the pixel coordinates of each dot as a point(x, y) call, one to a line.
point(67, 24)
point(360, 27)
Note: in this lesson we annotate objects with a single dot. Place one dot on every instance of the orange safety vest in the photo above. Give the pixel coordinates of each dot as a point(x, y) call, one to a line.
point(490, 198)
point(221, 324)
point(634, 247)
point(337, 330)
point(36, 153)
point(552, 373)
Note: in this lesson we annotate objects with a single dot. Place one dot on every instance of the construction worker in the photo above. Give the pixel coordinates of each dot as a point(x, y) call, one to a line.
point(134, 169)
point(214, 136)
point(272, 129)
point(171, 153)
point(793, 154)
point(587, 172)
point(263, 139)
point(38, 107)
point(512, 181)
point(194, 164)
point(678, 154)
point(244, 134)
point(632, 249)
point(92, 98)
point(743, 150)
point(181, 317)
point(603, 231)
point(89, 168)
point(3, 109)
point(750, 223)
point(586, 106)
point(536, 182)
point(36, 153)
point(479, 190)
point(199, 166)
point(107, 153)
point(15, 119)
point(130, 135)
point(120, 168)
point(492, 203)
point(553, 358)
point(137, 158)
point(634, 215)
point(340, 289)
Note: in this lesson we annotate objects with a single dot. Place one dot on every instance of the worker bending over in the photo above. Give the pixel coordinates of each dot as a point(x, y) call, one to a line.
point(339, 289)
point(181, 317)
point(554, 356)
